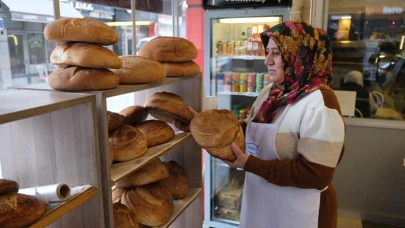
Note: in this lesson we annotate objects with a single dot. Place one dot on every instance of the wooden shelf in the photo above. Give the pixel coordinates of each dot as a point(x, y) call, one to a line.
point(53, 213)
point(17, 105)
point(122, 169)
point(181, 205)
point(121, 89)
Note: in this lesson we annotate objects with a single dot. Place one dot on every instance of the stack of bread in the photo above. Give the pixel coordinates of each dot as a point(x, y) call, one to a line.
point(83, 60)
point(18, 210)
point(130, 134)
point(175, 53)
point(149, 191)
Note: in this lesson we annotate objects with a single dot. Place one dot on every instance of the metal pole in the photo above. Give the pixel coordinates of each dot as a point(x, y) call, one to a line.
point(174, 17)
point(134, 40)
point(56, 9)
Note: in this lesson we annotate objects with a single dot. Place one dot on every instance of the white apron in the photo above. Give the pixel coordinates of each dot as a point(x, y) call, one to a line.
point(265, 205)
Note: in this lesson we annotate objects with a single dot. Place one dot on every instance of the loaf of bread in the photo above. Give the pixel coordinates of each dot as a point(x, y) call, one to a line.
point(167, 106)
point(117, 194)
point(183, 69)
point(138, 70)
point(134, 114)
point(156, 132)
point(75, 78)
point(127, 143)
point(7, 186)
point(153, 172)
point(169, 49)
point(85, 55)
point(80, 29)
point(152, 204)
point(114, 120)
point(177, 182)
point(215, 130)
point(123, 217)
point(18, 210)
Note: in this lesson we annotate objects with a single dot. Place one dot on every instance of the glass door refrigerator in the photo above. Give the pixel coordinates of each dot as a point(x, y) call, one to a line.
point(235, 73)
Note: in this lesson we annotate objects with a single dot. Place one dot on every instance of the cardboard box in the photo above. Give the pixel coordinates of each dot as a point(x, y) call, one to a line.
point(225, 213)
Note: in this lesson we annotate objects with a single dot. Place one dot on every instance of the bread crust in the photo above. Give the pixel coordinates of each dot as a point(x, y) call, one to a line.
point(167, 106)
point(156, 132)
point(80, 29)
point(139, 70)
point(75, 78)
point(85, 55)
point(169, 49)
point(183, 69)
point(127, 143)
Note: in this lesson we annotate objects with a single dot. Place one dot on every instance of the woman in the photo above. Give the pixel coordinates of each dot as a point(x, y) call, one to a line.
point(294, 135)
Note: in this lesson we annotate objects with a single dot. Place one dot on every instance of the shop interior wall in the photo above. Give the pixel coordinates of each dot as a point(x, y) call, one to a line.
point(369, 180)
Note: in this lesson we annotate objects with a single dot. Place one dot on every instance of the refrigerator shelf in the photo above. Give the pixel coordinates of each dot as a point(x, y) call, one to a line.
point(248, 94)
point(245, 57)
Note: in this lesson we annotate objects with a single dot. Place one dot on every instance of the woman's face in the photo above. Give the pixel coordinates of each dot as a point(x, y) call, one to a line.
point(274, 63)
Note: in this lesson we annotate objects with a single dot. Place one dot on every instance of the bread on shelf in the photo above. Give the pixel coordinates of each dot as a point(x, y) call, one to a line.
point(153, 172)
point(114, 120)
point(168, 106)
point(152, 204)
point(127, 143)
point(182, 69)
point(169, 49)
point(18, 210)
point(7, 186)
point(134, 114)
point(123, 217)
point(156, 132)
point(85, 55)
point(138, 70)
point(74, 78)
point(177, 182)
point(80, 29)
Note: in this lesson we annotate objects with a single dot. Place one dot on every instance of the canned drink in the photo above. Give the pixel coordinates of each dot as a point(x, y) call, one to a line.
point(223, 47)
point(266, 80)
point(237, 48)
point(259, 82)
point(251, 81)
point(243, 50)
point(235, 82)
point(220, 82)
point(230, 47)
point(243, 83)
point(227, 81)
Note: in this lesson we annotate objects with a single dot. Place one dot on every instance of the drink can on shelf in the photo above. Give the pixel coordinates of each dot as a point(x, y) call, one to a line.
point(230, 47)
point(235, 82)
point(242, 114)
point(251, 82)
point(227, 81)
point(259, 82)
point(220, 82)
point(243, 83)
point(237, 48)
point(243, 45)
point(266, 80)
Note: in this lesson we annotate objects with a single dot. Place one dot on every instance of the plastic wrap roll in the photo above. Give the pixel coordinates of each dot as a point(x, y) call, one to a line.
point(49, 193)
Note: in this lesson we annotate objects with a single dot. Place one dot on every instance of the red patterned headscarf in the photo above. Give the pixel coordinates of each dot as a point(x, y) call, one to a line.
point(307, 56)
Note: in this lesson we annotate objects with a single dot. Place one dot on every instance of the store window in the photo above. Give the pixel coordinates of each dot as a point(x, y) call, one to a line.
point(369, 55)
point(27, 52)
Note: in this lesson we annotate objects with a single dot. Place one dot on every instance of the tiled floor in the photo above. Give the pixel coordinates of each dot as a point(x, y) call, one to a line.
point(353, 223)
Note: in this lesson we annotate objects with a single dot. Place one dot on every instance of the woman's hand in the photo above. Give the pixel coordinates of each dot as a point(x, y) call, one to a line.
point(185, 127)
point(241, 157)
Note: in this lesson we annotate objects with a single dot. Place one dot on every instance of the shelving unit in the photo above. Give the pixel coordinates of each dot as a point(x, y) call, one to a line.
point(50, 137)
point(183, 149)
point(55, 212)
point(122, 169)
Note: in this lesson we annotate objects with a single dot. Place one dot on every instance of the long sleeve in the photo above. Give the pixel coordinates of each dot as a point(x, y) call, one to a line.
point(320, 147)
